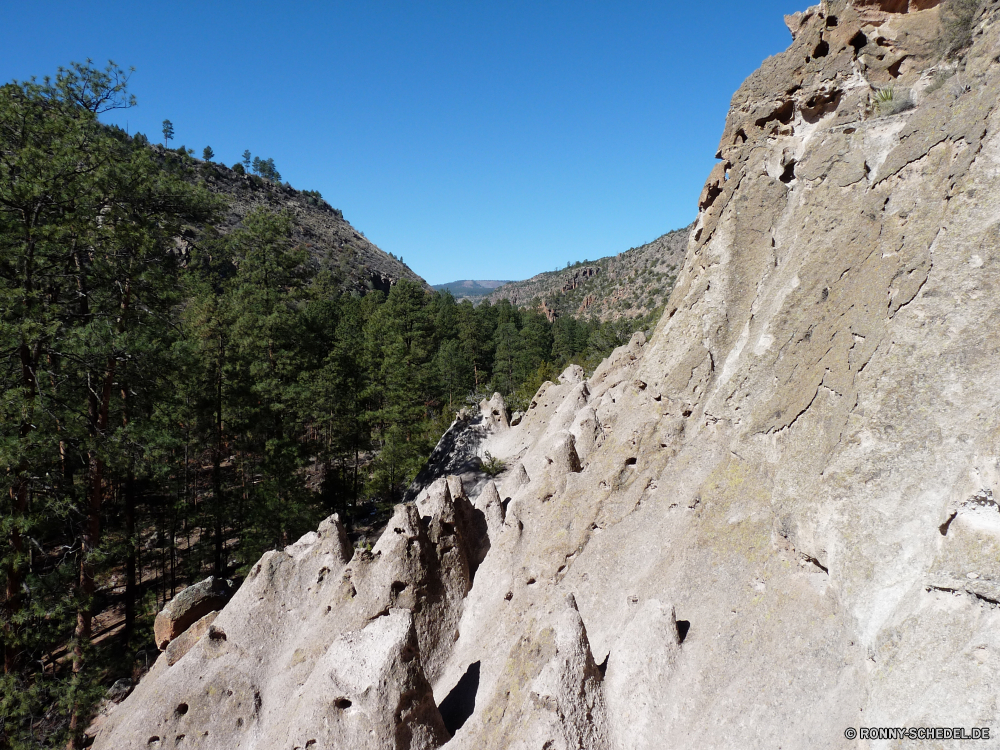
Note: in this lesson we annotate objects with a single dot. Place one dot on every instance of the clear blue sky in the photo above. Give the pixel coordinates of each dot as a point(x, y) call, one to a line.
point(485, 140)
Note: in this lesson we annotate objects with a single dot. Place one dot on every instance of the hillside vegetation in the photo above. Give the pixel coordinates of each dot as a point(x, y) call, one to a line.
point(332, 244)
point(631, 284)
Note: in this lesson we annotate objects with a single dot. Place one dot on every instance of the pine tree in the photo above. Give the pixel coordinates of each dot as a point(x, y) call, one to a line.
point(266, 325)
point(399, 348)
point(207, 153)
point(168, 132)
point(508, 348)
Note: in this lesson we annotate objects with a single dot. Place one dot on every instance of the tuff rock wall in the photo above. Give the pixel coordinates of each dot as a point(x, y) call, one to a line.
point(774, 520)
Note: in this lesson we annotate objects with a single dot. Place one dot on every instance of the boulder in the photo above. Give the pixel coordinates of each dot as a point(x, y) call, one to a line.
point(189, 606)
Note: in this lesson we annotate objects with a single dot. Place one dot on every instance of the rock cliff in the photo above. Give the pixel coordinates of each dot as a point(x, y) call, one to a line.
point(773, 521)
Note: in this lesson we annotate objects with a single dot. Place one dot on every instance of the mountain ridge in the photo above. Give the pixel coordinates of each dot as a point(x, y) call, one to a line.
point(629, 284)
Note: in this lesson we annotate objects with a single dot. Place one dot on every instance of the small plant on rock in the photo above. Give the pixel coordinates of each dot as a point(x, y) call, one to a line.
point(891, 101)
point(492, 465)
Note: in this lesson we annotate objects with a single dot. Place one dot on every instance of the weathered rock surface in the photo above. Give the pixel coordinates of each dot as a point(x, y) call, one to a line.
point(781, 518)
point(189, 606)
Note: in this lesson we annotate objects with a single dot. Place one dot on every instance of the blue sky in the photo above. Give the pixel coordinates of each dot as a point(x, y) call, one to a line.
point(485, 140)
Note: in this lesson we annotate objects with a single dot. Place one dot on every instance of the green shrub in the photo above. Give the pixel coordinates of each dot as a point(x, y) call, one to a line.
point(492, 465)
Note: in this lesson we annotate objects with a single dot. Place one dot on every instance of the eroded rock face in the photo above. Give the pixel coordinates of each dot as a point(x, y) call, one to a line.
point(778, 517)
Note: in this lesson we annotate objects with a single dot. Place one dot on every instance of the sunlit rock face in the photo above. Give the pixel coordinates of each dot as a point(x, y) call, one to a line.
point(773, 520)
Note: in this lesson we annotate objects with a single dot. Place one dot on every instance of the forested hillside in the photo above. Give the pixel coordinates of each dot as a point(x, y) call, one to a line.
point(631, 284)
point(181, 393)
point(331, 242)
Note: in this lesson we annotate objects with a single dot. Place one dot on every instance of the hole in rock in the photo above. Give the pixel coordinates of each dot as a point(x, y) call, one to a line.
point(181, 709)
point(426, 520)
point(178, 739)
point(859, 41)
point(889, 6)
point(943, 528)
point(783, 114)
point(399, 531)
point(821, 104)
point(822, 49)
point(603, 666)
point(508, 596)
point(397, 588)
point(152, 740)
point(686, 413)
point(216, 634)
point(322, 574)
point(789, 174)
point(310, 743)
point(683, 626)
point(894, 68)
point(631, 461)
point(342, 703)
point(531, 582)
point(831, 21)
point(461, 701)
point(740, 136)
point(714, 191)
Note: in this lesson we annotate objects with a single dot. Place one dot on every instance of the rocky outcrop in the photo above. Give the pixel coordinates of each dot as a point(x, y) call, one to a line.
point(778, 518)
point(189, 606)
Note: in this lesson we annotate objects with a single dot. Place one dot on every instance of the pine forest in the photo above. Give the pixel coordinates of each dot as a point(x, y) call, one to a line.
point(171, 410)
